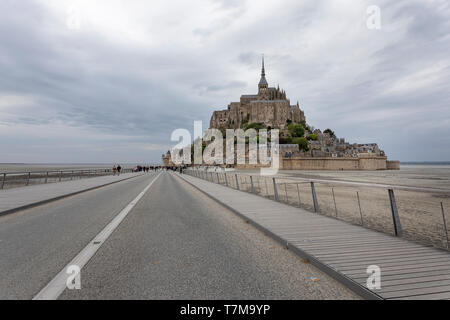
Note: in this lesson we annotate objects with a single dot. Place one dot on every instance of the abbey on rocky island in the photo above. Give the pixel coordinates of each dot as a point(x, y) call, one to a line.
point(308, 148)
point(269, 107)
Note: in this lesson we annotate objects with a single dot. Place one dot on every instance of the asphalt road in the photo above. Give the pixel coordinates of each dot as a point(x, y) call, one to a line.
point(176, 243)
point(36, 244)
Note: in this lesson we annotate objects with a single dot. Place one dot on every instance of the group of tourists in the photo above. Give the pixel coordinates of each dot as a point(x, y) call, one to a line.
point(145, 168)
point(116, 170)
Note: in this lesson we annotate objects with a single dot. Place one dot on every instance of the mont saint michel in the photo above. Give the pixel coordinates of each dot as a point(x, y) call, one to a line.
point(301, 145)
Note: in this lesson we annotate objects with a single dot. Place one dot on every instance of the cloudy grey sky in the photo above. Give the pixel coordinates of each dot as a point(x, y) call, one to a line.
point(109, 80)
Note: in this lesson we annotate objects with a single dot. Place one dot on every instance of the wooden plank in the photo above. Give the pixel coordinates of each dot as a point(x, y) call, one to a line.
point(416, 292)
point(328, 240)
point(343, 243)
point(417, 285)
point(363, 278)
point(391, 253)
point(430, 296)
point(387, 263)
point(325, 238)
point(363, 249)
point(424, 256)
point(387, 284)
point(394, 267)
point(355, 274)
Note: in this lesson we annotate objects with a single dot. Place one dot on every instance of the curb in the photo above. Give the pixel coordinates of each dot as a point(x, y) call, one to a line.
point(39, 203)
point(349, 283)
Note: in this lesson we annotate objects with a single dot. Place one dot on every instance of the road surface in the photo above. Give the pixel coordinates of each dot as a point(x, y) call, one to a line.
point(175, 243)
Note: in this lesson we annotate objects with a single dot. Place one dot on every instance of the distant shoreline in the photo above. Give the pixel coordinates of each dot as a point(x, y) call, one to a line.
point(425, 163)
point(134, 163)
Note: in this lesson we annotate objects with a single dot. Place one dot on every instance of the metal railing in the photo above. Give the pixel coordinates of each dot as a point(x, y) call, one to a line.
point(411, 212)
point(21, 179)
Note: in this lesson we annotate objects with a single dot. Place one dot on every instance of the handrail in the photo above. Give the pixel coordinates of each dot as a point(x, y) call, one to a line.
point(57, 171)
point(8, 177)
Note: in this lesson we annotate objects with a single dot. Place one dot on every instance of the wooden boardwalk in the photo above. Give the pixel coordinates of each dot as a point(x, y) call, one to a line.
point(343, 250)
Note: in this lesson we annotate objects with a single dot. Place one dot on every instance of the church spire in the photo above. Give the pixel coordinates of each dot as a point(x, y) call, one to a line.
point(263, 82)
point(263, 72)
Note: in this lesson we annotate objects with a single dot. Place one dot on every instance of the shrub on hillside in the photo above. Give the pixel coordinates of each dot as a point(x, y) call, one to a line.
point(296, 130)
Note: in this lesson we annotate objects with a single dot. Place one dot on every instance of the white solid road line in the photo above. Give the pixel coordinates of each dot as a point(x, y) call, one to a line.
point(58, 284)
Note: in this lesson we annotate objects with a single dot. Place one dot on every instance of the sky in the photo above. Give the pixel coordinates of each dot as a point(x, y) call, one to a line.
point(108, 81)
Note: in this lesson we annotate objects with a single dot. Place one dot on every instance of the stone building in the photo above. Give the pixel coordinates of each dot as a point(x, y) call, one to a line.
point(167, 160)
point(327, 145)
point(269, 106)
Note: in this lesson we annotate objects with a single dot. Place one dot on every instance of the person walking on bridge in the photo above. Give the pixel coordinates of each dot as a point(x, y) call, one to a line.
point(119, 168)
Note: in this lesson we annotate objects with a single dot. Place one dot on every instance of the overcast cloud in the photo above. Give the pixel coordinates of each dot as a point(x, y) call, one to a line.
point(115, 88)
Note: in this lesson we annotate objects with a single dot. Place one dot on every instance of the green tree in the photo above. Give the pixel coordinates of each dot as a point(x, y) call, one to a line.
point(255, 125)
point(330, 132)
point(302, 143)
point(245, 121)
point(312, 136)
point(296, 130)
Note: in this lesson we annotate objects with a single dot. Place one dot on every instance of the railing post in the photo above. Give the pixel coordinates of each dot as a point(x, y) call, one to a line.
point(3, 181)
point(60, 176)
point(314, 196)
point(251, 182)
point(298, 193)
point(218, 180)
point(237, 182)
point(275, 191)
point(334, 200)
point(28, 178)
point(46, 177)
point(359, 205)
point(445, 224)
point(285, 192)
point(226, 180)
point(395, 218)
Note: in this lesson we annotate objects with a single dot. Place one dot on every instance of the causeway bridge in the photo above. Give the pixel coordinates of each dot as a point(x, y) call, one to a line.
point(200, 235)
